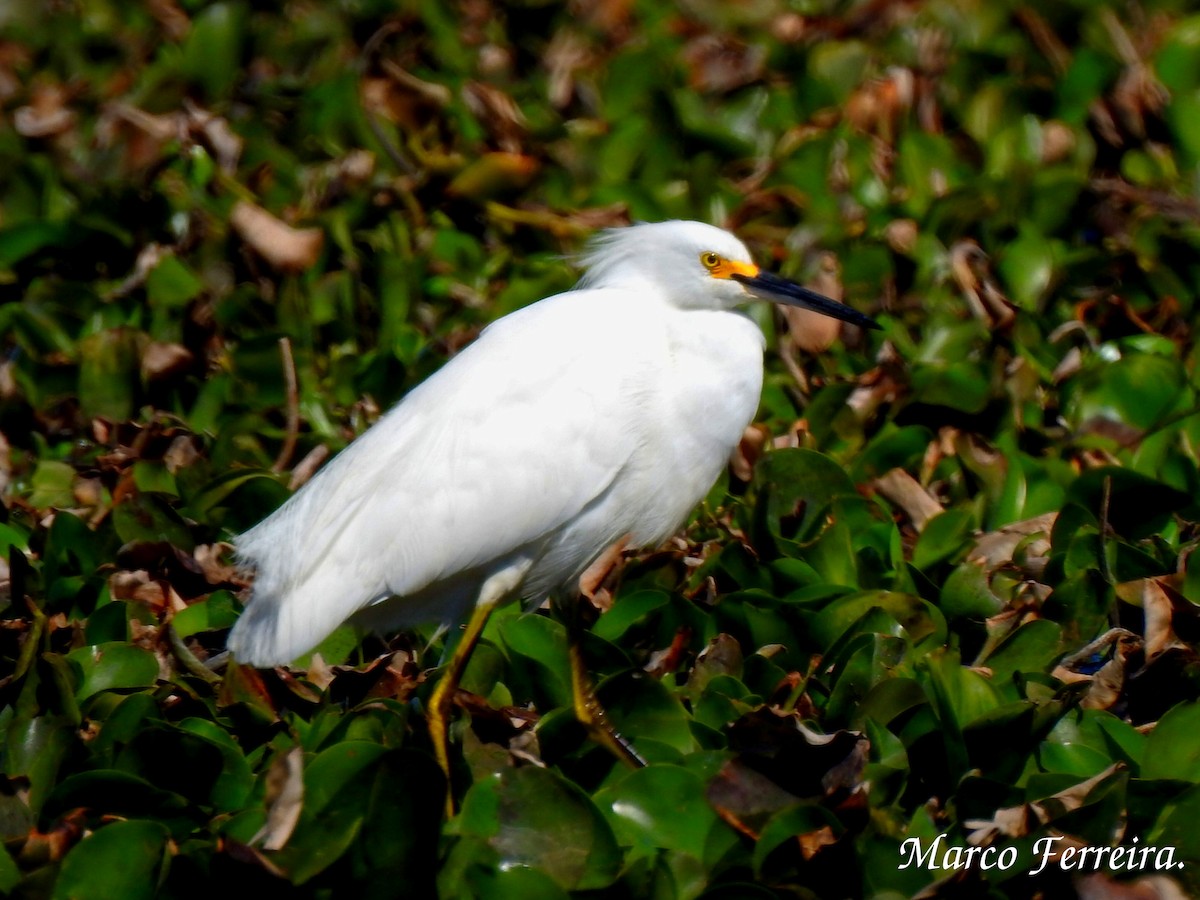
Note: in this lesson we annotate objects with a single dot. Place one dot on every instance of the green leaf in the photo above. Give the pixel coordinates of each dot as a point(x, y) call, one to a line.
point(148, 517)
point(122, 859)
point(172, 283)
point(542, 644)
point(799, 485)
point(24, 239)
point(114, 666)
point(533, 817)
point(108, 373)
point(9, 873)
point(792, 824)
point(53, 485)
point(35, 748)
point(944, 536)
point(1171, 749)
point(382, 806)
point(1031, 648)
point(214, 612)
point(660, 806)
point(212, 51)
point(905, 615)
point(642, 706)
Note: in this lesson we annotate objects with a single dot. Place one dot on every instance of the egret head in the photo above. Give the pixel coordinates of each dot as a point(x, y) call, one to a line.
point(696, 266)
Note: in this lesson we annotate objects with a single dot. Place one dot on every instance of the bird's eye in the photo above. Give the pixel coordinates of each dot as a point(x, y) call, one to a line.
point(709, 259)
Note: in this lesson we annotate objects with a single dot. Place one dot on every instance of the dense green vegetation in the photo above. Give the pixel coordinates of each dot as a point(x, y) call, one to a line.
point(945, 588)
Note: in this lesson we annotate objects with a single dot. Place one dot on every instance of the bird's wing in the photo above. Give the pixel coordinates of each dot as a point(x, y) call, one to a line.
point(509, 441)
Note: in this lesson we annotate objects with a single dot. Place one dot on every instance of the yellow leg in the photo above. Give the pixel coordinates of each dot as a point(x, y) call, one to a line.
point(441, 701)
point(588, 710)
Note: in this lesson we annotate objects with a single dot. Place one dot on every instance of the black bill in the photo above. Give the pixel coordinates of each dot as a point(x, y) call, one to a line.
point(780, 290)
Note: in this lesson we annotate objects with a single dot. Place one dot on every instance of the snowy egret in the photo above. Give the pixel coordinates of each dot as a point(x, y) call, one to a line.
point(594, 416)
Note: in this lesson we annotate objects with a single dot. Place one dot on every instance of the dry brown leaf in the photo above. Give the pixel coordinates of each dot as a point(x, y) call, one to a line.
point(812, 331)
point(721, 63)
point(1058, 142)
point(1018, 821)
point(669, 658)
point(1106, 686)
point(901, 235)
point(285, 799)
point(282, 246)
point(1108, 682)
point(214, 130)
point(173, 20)
point(47, 114)
point(971, 268)
point(905, 492)
point(591, 582)
point(997, 548)
point(876, 107)
point(498, 112)
point(162, 360)
point(880, 385)
point(567, 54)
point(812, 842)
point(181, 453)
point(748, 451)
point(216, 572)
point(1159, 612)
point(138, 585)
point(1070, 364)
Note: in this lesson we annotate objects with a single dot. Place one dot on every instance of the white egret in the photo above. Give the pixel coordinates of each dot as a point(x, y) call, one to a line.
point(596, 415)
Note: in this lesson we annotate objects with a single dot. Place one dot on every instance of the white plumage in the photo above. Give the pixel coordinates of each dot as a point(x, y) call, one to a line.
point(602, 412)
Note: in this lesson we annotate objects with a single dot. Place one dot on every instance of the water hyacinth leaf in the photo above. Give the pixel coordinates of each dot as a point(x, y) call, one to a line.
point(967, 592)
point(9, 873)
point(174, 760)
point(34, 749)
point(803, 829)
point(1137, 506)
point(400, 831)
point(212, 52)
point(1029, 267)
point(888, 700)
point(131, 714)
point(108, 372)
point(644, 706)
point(122, 859)
point(514, 882)
point(542, 645)
point(23, 239)
point(629, 610)
point(122, 794)
point(944, 536)
point(533, 817)
point(1137, 390)
point(908, 616)
point(957, 386)
point(215, 612)
point(114, 666)
point(1170, 750)
point(659, 807)
point(172, 283)
point(53, 485)
point(340, 787)
point(235, 781)
point(1031, 648)
point(148, 517)
point(800, 485)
